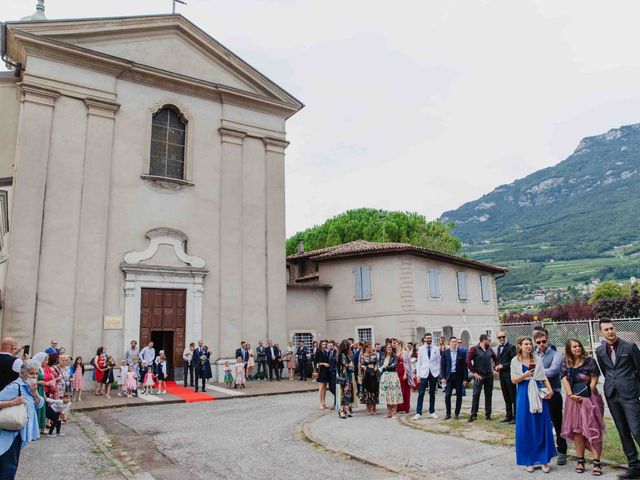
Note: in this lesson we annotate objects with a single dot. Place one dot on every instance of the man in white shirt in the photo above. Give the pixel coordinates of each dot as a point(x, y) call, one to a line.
point(148, 354)
point(428, 370)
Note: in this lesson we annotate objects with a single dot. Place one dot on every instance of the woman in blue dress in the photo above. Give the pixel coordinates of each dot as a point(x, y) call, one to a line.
point(534, 433)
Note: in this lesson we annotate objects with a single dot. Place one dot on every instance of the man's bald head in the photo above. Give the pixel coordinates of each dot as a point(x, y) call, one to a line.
point(9, 344)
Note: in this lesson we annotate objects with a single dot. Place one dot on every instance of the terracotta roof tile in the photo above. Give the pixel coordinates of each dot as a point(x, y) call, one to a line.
point(310, 276)
point(365, 248)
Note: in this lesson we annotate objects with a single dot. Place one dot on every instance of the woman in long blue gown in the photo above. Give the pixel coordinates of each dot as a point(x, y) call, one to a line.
point(534, 432)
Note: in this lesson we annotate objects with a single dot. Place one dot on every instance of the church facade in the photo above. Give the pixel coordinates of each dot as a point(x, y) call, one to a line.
point(142, 175)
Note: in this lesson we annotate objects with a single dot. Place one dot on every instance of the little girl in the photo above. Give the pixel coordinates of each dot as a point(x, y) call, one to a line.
point(149, 380)
point(131, 381)
point(240, 379)
point(122, 378)
point(55, 409)
point(77, 373)
point(161, 373)
point(107, 377)
point(228, 376)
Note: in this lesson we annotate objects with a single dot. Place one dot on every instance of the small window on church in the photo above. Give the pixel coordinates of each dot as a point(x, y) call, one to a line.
point(168, 132)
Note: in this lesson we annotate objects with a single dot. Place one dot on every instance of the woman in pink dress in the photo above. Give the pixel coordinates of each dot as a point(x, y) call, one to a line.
point(77, 381)
point(583, 421)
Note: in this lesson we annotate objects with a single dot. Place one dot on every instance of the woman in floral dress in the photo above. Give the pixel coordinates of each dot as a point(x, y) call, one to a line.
point(345, 380)
point(390, 388)
point(369, 374)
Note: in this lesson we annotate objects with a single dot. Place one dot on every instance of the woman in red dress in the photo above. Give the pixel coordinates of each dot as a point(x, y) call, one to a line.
point(406, 377)
point(99, 366)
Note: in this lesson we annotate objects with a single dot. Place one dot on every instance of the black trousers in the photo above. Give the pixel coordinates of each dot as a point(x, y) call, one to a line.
point(200, 376)
point(332, 384)
point(302, 366)
point(555, 411)
point(273, 366)
point(9, 460)
point(188, 369)
point(261, 366)
point(478, 385)
point(509, 395)
point(626, 416)
point(432, 382)
point(454, 383)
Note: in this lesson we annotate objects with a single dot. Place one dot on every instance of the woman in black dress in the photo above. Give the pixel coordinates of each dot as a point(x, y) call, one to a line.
point(321, 360)
point(369, 370)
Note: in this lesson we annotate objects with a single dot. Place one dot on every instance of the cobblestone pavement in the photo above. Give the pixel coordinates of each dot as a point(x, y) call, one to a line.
point(72, 457)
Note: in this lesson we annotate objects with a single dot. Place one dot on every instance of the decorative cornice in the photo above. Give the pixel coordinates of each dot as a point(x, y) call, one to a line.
point(101, 108)
point(275, 145)
point(231, 136)
point(36, 94)
point(164, 236)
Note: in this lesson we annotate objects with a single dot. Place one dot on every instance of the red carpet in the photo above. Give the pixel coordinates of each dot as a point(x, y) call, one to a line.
point(187, 394)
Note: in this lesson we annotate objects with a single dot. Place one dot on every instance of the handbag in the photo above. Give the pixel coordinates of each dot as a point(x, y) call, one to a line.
point(580, 389)
point(14, 418)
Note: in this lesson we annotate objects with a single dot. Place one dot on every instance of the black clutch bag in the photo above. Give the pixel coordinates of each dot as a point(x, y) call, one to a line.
point(581, 389)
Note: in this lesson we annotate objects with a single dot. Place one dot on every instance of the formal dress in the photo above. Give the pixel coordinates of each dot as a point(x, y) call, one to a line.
point(404, 384)
point(369, 391)
point(390, 388)
point(586, 417)
point(323, 371)
point(534, 433)
point(346, 381)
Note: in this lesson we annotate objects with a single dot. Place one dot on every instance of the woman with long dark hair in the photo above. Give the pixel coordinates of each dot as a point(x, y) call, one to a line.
point(345, 380)
point(321, 362)
point(368, 366)
point(390, 388)
point(534, 433)
point(583, 420)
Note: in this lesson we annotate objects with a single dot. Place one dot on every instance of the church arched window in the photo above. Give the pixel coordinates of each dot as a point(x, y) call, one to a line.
point(168, 135)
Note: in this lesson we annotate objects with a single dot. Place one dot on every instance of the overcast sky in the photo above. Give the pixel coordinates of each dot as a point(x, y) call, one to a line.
point(419, 105)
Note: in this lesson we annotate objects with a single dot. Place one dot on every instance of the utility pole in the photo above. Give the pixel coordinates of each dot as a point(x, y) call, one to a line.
point(174, 5)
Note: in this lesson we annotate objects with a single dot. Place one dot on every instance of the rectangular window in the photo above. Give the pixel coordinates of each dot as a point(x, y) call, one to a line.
point(433, 280)
point(306, 337)
point(484, 286)
point(362, 276)
point(365, 334)
point(436, 336)
point(462, 286)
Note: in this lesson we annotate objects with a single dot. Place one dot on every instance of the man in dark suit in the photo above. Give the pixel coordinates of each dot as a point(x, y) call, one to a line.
point(453, 372)
point(357, 350)
point(261, 361)
point(273, 357)
point(333, 368)
point(301, 357)
point(506, 352)
point(201, 356)
point(620, 364)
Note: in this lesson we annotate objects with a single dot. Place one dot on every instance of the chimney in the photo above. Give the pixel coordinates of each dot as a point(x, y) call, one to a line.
point(300, 246)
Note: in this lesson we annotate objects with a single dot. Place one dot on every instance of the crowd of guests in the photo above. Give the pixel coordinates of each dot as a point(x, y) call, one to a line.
point(532, 373)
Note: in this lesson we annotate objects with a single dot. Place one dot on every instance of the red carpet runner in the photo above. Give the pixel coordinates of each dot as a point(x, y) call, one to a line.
point(187, 394)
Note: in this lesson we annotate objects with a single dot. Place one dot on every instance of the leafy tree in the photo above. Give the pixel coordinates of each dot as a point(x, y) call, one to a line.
point(378, 226)
point(609, 290)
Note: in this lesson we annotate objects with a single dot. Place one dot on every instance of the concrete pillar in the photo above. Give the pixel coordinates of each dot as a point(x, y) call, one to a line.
point(231, 261)
point(92, 236)
point(276, 236)
point(32, 157)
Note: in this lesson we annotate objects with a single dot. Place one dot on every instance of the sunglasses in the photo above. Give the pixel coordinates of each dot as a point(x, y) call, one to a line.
point(541, 342)
point(501, 337)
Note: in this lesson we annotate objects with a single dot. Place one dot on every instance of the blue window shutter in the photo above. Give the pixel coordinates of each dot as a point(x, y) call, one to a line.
point(484, 285)
point(434, 282)
point(358, 283)
point(366, 283)
point(436, 276)
point(462, 286)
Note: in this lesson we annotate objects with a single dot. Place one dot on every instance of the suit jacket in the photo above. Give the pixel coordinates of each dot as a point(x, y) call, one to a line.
point(332, 356)
point(428, 364)
point(301, 354)
point(276, 353)
point(356, 361)
point(461, 372)
point(203, 369)
point(504, 359)
point(622, 378)
point(245, 357)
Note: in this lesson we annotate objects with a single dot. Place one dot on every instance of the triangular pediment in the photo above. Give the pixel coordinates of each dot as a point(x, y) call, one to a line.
point(166, 42)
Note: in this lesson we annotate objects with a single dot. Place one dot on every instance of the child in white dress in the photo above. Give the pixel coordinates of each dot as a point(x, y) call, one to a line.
point(240, 377)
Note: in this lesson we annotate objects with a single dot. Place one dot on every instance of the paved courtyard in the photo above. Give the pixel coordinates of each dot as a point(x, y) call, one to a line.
point(281, 436)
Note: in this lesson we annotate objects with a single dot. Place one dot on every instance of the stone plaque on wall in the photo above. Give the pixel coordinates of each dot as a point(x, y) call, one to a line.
point(112, 322)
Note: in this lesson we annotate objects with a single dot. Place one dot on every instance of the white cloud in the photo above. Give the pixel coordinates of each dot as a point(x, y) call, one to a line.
point(420, 105)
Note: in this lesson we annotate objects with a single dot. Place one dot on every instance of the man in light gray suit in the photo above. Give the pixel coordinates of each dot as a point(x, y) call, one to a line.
point(620, 364)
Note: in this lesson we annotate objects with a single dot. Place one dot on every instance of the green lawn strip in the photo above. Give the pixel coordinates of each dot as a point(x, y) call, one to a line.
point(495, 432)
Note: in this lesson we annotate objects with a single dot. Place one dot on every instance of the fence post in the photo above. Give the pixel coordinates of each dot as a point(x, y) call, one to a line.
point(591, 336)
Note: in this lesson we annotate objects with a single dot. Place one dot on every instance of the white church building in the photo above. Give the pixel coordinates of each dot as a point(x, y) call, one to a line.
point(141, 188)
